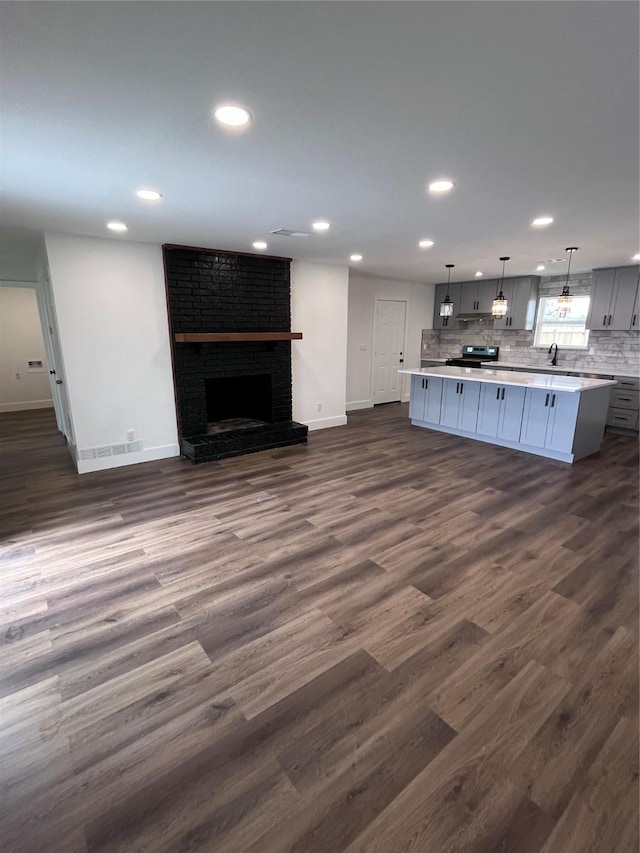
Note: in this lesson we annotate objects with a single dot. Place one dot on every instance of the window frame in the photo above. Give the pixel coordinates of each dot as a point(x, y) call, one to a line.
point(539, 325)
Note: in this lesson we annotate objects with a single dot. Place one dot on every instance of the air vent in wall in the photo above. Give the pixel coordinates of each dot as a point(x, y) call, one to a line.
point(284, 232)
point(110, 450)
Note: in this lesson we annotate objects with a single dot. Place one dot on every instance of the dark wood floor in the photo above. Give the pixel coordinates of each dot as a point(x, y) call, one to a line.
point(390, 640)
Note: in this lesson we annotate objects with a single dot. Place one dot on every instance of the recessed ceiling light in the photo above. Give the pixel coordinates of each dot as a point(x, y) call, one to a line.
point(321, 225)
point(442, 185)
point(149, 195)
point(355, 258)
point(540, 267)
point(542, 220)
point(231, 115)
point(116, 226)
point(478, 274)
point(259, 244)
point(636, 257)
point(425, 244)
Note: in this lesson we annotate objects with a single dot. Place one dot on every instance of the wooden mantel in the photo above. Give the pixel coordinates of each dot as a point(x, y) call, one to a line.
point(218, 337)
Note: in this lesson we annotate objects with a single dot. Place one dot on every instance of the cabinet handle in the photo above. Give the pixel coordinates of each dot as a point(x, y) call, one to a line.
point(498, 394)
point(618, 418)
point(457, 387)
point(461, 387)
point(633, 322)
point(624, 399)
point(426, 383)
point(609, 323)
point(604, 320)
point(553, 400)
point(503, 393)
point(546, 402)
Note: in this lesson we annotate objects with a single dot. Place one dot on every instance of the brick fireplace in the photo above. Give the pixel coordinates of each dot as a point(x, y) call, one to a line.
point(233, 396)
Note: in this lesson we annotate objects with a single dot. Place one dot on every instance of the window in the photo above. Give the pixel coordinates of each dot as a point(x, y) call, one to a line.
point(561, 324)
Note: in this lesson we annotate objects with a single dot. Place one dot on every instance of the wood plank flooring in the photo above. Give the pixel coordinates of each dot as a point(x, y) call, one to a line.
point(389, 640)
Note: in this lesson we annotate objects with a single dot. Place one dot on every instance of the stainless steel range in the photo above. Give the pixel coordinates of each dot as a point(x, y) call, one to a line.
point(473, 356)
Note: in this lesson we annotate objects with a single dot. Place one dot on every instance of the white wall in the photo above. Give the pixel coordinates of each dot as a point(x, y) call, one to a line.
point(363, 293)
point(112, 321)
point(21, 341)
point(319, 301)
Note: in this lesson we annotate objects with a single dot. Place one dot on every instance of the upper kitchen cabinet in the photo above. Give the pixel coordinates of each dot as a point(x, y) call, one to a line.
point(454, 295)
point(476, 297)
point(522, 296)
point(613, 299)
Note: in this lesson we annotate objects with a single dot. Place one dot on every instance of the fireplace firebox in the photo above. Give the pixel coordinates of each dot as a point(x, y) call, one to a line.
point(238, 401)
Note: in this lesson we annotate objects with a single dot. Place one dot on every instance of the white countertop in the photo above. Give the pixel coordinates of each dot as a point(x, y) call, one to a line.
point(545, 381)
point(622, 370)
point(606, 369)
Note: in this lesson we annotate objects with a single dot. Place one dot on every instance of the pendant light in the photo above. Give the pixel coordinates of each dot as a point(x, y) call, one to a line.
point(564, 300)
point(500, 304)
point(446, 306)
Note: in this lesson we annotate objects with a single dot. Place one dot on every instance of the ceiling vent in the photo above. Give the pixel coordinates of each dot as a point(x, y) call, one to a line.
point(554, 261)
point(284, 232)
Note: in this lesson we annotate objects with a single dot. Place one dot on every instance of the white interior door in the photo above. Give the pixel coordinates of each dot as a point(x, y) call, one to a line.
point(389, 351)
point(54, 355)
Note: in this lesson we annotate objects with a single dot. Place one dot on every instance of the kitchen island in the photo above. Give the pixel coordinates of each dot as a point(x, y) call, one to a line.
point(561, 417)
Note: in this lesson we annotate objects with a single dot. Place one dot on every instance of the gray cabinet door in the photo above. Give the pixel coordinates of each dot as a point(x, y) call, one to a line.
point(469, 402)
point(454, 295)
point(624, 297)
point(486, 295)
point(511, 409)
point(535, 417)
point(522, 297)
point(508, 290)
point(635, 324)
point(489, 410)
point(601, 294)
point(417, 398)
point(450, 403)
point(468, 297)
point(563, 413)
point(433, 399)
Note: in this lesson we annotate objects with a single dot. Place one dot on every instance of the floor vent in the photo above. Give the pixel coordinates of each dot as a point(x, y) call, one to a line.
point(109, 450)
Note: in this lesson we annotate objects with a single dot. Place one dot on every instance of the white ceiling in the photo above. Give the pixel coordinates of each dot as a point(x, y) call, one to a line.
point(532, 108)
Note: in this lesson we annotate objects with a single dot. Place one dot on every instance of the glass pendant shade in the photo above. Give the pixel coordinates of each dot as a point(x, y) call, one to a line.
point(446, 306)
point(500, 304)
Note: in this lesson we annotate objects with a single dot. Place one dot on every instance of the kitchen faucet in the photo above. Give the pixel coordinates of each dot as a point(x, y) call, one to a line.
point(554, 360)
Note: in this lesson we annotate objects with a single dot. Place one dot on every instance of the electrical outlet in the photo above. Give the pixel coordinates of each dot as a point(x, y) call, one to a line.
point(319, 407)
point(18, 376)
point(363, 347)
point(131, 435)
point(507, 348)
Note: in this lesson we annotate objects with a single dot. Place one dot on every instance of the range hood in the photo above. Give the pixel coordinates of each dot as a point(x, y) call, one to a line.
point(474, 315)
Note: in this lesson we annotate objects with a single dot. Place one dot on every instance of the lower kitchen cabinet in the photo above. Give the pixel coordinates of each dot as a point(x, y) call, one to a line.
point(559, 417)
point(460, 402)
point(500, 411)
point(549, 419)
point(426, 395)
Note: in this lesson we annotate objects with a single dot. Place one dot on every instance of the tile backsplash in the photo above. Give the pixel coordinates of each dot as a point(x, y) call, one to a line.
point(615, 348)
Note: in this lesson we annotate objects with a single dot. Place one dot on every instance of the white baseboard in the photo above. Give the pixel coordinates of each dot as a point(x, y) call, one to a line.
point(30, 404)
point(325, 423)
point(359, 404)
point(86, 466)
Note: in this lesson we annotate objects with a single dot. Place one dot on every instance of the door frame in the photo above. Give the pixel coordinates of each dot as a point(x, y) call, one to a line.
point(47, 328)
point(374, 345)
